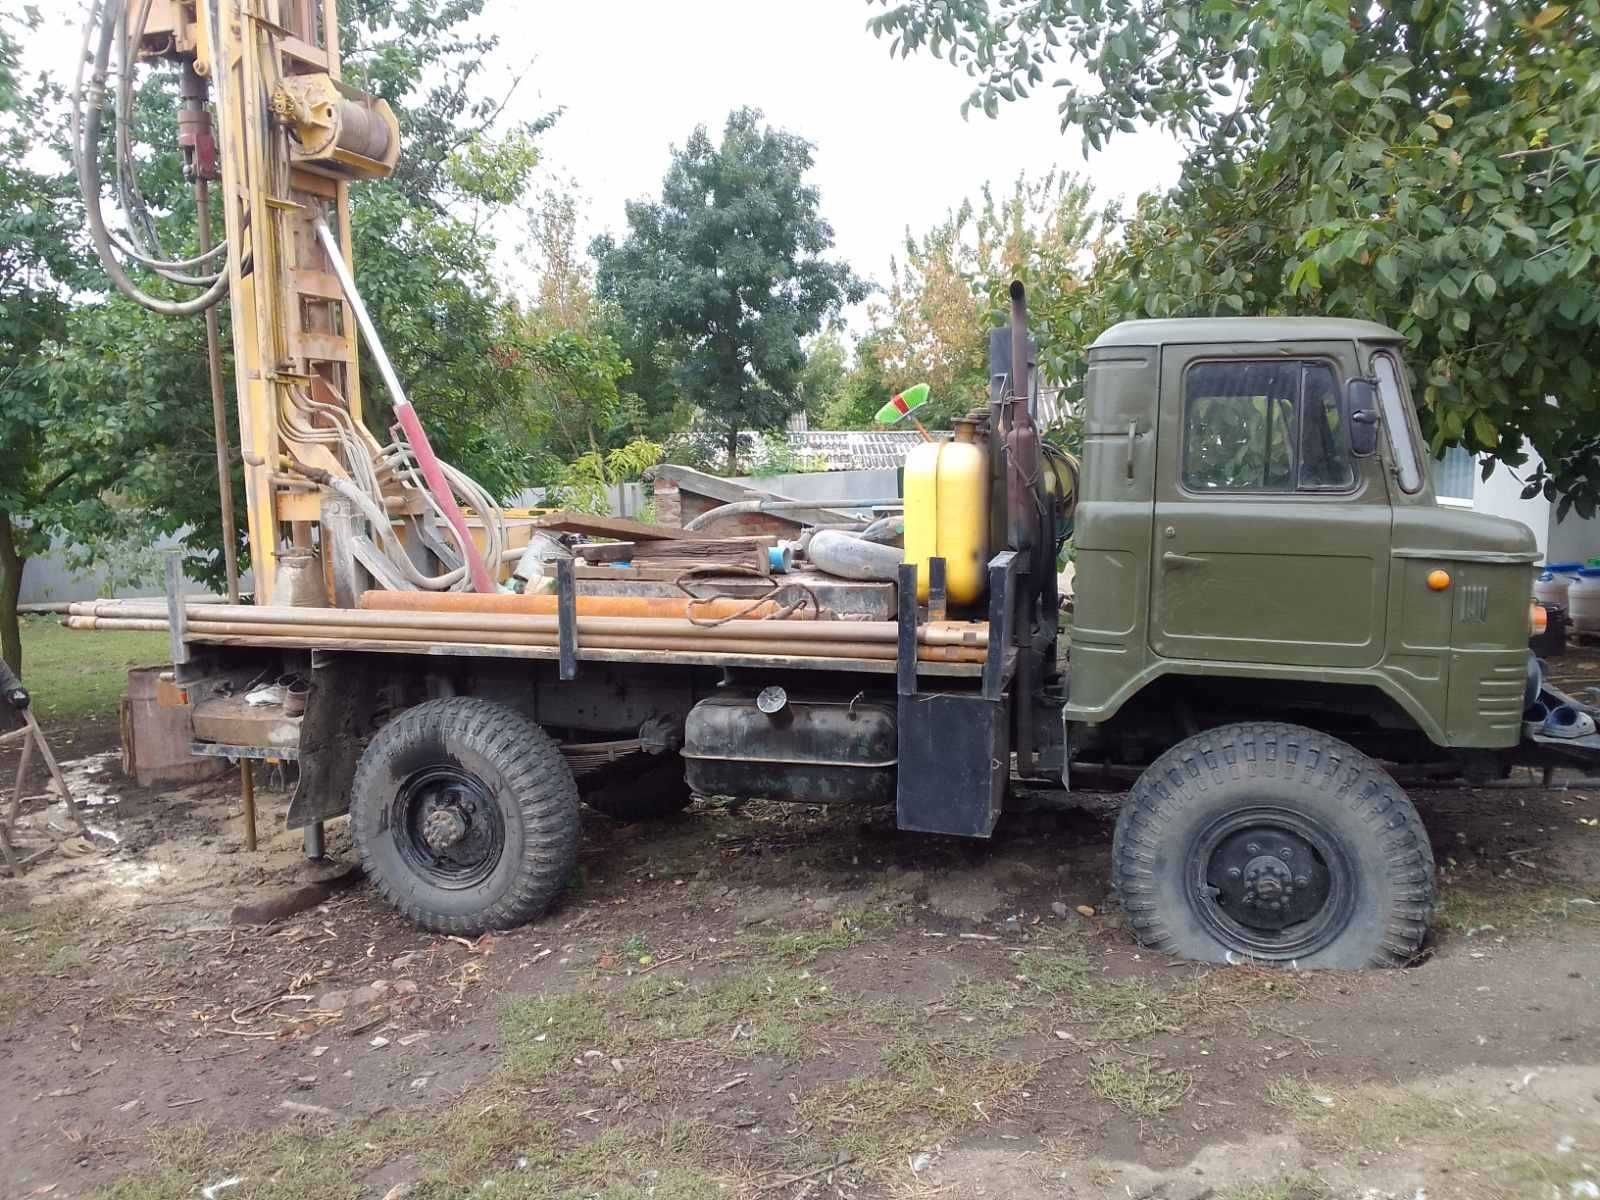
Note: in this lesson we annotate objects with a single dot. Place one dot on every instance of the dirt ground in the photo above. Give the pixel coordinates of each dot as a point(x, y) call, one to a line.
point(780, 1002)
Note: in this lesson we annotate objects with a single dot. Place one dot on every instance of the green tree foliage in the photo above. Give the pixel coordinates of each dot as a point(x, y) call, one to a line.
point(40, 257)
point(862, 392)
point(827, 367)
point(948, 289)
point(728, 269)
point(1433, 164)
point(105, 428)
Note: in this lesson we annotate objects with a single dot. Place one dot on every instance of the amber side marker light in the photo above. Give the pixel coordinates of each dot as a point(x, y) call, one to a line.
point(1538, 619)
point(1438, 580)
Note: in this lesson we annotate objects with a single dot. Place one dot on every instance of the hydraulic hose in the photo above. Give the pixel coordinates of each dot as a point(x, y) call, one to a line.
point(88, 117)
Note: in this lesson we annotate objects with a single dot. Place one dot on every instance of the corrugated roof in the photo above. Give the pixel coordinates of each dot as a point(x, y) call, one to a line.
point(853, 450)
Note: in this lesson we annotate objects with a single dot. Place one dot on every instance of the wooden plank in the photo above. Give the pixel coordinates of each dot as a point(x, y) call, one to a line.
point(610, 527)
point(739, 550)
point(655, 574)
point(605, 552)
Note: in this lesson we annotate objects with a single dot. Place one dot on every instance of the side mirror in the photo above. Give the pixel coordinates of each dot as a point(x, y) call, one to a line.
point(1363, 398)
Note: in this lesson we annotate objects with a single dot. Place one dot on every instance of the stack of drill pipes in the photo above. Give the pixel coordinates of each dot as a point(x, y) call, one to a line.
point(346, 637)
point(543, 603)
point(947, 633)
point(941, 641)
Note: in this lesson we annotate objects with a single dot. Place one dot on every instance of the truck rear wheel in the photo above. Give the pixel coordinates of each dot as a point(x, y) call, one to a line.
point(1273, 843)
point(465, 816)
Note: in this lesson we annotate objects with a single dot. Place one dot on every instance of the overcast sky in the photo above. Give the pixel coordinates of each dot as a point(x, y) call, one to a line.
point(634, 77)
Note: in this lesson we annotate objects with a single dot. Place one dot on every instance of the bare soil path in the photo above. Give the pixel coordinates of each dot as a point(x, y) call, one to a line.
point(783, 1002)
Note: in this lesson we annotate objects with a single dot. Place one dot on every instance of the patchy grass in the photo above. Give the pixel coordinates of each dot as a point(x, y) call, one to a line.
point(1057, 973)
point(847, 930)
point(1140, 1090)
point(1126, 1010)
point(1300, 1186)
point(769, 1011)
point(542, 1034)
point(485, 1144)
point(1518, 1172)
point(1122, 1010)
point(42, 940)
point(1378, 1117)
point(1299, 1097)
point(925, 1095)
point(73, 674)
point(1464, 908)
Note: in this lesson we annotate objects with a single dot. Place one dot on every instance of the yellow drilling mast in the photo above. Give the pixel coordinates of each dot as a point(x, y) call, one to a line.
point(293, 137)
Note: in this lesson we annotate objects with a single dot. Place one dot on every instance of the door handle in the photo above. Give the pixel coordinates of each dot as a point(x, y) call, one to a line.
point(1173, 559)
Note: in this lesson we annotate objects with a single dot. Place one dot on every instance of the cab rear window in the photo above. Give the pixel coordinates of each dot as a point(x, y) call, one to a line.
point(1274, 426)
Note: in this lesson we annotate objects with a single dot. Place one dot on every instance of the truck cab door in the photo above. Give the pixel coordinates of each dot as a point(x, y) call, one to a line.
point(1271, 541)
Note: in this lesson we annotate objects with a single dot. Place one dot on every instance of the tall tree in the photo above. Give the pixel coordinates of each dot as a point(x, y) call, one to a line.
point(40, 259)
point(1433, 165)
point(948, 288)
point(729, 268)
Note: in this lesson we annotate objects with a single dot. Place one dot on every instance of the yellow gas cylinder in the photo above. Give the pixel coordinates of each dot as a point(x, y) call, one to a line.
point(947, 513)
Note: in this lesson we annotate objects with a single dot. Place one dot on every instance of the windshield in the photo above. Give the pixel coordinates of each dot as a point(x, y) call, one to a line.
point(1392, 399)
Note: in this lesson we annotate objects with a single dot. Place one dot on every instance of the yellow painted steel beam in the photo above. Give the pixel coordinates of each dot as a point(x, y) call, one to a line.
point(288, 324)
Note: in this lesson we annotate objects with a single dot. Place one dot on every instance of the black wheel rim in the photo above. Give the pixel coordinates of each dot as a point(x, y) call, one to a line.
point(1271, 883)
point(447, 826)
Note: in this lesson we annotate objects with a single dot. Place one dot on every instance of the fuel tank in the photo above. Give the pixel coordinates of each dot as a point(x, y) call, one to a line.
point(767, 745)
point(947, 513)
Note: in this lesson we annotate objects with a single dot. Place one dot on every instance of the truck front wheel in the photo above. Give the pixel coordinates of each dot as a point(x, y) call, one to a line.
point(1273, 843)
point(465, 816)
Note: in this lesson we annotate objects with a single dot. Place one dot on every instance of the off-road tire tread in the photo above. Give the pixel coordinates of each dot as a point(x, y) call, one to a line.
point(535, 773)
point(1218, 756)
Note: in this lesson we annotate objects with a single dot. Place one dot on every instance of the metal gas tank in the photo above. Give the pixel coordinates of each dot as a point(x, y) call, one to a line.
point(769, 745)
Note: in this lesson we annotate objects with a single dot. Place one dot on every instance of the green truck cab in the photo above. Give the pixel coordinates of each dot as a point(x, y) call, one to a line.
point(1228, 530)
point(1268, 602)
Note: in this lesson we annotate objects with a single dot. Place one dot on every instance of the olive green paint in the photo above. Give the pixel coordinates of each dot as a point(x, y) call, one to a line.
point(1327, 586)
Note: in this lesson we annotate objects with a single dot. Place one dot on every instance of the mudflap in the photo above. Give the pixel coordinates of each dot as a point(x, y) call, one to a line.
point(341, 711)
point(955, 762)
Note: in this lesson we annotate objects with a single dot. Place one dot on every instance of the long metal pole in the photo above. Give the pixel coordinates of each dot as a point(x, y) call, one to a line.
point(247, 791)
point(219, 412)
point(667, 629)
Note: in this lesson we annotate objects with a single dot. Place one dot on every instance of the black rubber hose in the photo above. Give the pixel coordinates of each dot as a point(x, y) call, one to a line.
point(88, 154)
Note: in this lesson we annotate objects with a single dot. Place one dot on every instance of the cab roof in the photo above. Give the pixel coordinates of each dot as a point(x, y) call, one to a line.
point(1207, 330)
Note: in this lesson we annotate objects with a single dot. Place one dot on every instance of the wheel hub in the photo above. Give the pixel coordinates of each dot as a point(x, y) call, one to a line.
point(448, 826)
point(443, 828)
point(1267, 877)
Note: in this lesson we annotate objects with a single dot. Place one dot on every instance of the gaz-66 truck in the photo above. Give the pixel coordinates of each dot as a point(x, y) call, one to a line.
point(1269, 604)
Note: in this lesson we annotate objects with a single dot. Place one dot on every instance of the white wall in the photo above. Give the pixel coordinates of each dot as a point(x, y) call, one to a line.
point(1501, 495)
point(1559, 541)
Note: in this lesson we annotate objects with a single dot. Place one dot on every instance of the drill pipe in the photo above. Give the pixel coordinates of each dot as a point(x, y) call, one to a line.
point(947, 633)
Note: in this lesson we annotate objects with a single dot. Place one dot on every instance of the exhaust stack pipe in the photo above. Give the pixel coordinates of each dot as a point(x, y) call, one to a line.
point(1024, 504)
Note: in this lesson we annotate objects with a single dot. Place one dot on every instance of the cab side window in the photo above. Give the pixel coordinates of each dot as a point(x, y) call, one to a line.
point(1265, 427)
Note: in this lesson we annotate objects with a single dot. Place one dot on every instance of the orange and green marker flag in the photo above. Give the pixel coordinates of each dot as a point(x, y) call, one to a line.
point(902, 404)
